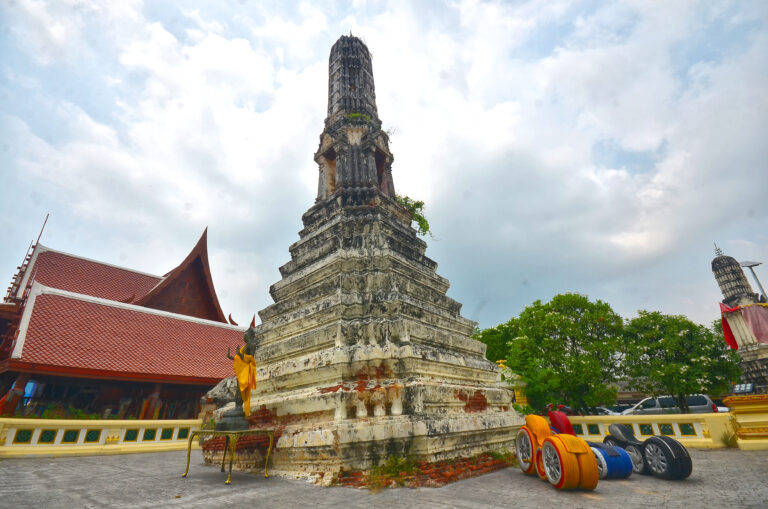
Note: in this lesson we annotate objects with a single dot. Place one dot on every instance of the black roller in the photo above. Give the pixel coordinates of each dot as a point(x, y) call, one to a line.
point(667, 458)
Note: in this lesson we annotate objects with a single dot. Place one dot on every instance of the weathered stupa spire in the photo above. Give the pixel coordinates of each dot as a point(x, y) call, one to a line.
point(363, 355)
point(350, 80)
point(354, 151)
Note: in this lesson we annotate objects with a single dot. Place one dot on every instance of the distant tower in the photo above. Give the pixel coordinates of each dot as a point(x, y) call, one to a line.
point(738, 293)
point(732, 281)
point(354, 151)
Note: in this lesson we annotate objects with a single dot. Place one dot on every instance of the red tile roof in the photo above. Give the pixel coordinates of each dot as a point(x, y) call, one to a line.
point(80, 275)
point(82, 336)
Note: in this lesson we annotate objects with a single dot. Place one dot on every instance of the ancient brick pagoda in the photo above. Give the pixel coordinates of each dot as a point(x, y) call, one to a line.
point(363, 355)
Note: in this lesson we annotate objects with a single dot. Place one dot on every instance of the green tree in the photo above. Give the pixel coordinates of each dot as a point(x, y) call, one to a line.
point(669, 354)
point(568, 350)
point(497, 339)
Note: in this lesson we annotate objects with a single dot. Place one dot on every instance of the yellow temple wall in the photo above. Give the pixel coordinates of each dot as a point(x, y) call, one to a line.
point(62, 437)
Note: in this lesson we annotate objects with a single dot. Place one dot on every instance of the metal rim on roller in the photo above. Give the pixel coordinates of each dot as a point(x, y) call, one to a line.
point(637, 458)
point(656, 459)
point(552, 463)
point(524, 449)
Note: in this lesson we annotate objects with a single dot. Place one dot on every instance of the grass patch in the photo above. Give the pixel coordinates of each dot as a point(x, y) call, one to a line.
point(395, 468)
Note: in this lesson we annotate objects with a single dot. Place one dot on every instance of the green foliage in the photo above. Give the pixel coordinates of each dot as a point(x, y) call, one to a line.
point(358, 116)
point(669, 354)
point(567, 351)
point(522, 409)
point(416, 208)
point(497, 339)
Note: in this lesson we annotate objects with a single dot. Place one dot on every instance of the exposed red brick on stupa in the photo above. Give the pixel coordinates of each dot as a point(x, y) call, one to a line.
point(474, 403)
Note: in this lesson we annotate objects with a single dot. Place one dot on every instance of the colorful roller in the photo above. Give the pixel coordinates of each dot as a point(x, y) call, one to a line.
point(667, 458)
point(622, 435)
point(528, 440)
point(569, 463)
point(561, 467)
point(612, 462)
point(561, 423)
point(541, 471)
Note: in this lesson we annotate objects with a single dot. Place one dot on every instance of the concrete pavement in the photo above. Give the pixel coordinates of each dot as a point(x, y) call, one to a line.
point(721, 478)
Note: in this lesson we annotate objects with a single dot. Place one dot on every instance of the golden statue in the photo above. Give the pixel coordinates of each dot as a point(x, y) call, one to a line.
point(244, 365)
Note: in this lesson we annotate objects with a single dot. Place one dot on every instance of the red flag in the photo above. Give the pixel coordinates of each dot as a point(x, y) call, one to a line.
point(727, 333)
point(757, 320)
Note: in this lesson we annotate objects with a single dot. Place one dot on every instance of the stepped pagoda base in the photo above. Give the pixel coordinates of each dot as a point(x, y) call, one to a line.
point(324, 452)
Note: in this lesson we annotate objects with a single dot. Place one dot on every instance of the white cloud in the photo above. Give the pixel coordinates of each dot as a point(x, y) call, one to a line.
point(209, 115)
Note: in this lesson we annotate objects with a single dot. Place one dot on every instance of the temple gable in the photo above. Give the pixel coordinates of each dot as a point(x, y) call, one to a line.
point(188, 289)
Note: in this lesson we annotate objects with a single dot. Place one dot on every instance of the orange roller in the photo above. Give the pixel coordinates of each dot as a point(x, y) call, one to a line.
point(589, 474)
point(560, 465)
point(525, 450)
point(529, 440)
point(538, 426)
point(540, 470)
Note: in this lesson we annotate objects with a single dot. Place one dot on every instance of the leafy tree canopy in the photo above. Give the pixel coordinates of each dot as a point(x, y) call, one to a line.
point(497, 339)
point(669, 354)
point(567, 350)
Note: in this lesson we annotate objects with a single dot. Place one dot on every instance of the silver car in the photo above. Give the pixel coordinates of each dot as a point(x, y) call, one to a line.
point(697, 404)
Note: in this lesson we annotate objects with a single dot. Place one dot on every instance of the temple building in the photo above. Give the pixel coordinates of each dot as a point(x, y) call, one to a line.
point(363, 355)
point(85, 337)
point(745, 319)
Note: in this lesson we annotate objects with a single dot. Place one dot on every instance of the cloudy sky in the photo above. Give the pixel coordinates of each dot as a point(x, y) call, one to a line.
point(594, 147)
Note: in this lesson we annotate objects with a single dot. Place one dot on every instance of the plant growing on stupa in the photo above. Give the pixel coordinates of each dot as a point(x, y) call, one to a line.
point(416, 209)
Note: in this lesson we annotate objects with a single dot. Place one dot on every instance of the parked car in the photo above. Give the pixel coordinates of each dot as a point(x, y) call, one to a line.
point(697, 404)
point(600, 410)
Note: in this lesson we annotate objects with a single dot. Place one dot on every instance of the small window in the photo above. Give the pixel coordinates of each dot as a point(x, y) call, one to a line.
point(70, 436)
point(47, 436)
point(22, 436)
point(696, 400)
point(650, 403)
point(667, 402)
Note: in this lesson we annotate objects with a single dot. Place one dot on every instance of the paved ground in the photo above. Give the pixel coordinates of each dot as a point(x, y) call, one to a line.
point(721, 478)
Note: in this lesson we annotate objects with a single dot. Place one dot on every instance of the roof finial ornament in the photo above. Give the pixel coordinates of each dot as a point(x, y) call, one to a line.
point(718, 251)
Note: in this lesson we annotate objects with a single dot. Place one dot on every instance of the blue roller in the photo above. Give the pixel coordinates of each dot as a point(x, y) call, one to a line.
point(615, 462)
point(620, 465)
